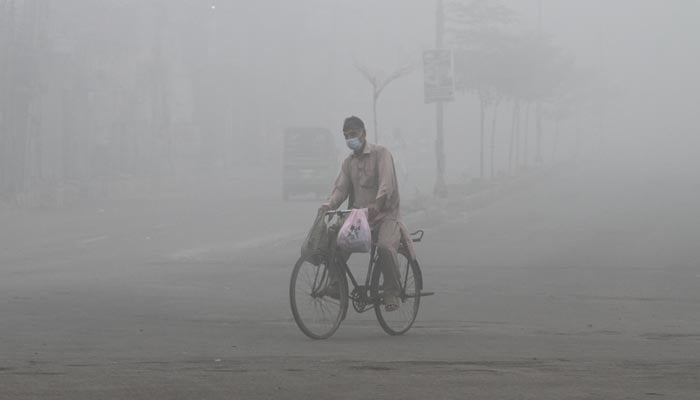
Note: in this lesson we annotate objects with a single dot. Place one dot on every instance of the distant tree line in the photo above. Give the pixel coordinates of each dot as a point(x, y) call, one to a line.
point(100, 90)
point(504, 65)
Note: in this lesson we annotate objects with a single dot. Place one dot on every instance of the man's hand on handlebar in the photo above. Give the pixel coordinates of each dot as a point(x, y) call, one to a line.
point(372, 211)
point(324, 208)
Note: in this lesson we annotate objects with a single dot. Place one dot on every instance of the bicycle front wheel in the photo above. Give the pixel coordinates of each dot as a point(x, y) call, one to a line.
point(399, 321)
point(319, 298)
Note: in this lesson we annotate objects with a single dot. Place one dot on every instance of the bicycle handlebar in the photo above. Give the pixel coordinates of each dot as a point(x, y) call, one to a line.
point(338, 212)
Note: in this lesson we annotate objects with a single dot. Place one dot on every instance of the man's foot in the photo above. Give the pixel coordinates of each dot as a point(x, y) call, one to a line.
point(391, 302)
point(332, 290)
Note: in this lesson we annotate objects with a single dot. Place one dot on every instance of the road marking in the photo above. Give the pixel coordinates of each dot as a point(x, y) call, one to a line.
point(201, 253)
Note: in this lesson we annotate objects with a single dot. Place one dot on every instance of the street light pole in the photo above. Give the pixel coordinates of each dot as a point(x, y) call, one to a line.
point(440, 189)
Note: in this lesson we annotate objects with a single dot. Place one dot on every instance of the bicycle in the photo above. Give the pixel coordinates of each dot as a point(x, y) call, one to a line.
point(318, 308)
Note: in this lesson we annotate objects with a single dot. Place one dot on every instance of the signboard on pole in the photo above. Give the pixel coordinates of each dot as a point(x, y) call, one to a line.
point(437, 76)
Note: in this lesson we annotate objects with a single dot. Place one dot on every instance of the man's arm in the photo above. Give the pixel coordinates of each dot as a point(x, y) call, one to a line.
point(341, 188)
point(387, 179)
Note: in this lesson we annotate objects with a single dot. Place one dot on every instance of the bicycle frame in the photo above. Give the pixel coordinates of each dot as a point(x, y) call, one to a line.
point(345, 269)
point(362, 289)
point(359, 294)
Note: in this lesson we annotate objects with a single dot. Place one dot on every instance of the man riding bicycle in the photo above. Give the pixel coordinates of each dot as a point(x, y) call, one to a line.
point(368, 178)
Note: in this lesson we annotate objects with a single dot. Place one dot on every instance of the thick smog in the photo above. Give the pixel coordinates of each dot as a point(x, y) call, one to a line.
point(449, 199)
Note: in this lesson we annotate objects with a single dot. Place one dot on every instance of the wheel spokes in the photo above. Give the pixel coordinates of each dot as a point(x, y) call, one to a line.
point(316, 310)
point(401, 319)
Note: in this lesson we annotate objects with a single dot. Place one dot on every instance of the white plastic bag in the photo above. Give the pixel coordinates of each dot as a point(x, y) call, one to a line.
point(355, 235)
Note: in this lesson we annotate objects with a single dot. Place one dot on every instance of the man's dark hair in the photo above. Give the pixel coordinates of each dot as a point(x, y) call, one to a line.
point(353, 123)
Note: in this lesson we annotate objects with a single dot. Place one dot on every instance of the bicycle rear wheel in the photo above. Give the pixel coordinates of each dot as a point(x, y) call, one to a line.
point(399, 321)
point(317, 307)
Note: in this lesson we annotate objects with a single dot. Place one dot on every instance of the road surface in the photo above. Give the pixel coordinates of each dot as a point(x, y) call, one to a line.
point(580, 287)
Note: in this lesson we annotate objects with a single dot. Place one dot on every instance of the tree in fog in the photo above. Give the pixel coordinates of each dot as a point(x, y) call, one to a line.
point(497, 63)
point(590, 99)
point(545, 71)
point(379, 81)
point(566, 101)
point(7, 34)
point(478, 33)
point(23, 55)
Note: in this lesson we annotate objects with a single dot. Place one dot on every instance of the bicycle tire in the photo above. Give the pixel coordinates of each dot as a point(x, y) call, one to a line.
point(325, 325)
point(399, 321)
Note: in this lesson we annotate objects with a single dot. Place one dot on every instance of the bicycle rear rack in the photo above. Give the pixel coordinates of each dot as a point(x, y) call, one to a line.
point(421, 294)
point(418, 232)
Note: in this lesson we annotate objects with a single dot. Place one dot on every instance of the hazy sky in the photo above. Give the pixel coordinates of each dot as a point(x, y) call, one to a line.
point(286, 63)
point(648, 50)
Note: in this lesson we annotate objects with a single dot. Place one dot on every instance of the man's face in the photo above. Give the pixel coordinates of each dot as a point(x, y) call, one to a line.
point(354, 133)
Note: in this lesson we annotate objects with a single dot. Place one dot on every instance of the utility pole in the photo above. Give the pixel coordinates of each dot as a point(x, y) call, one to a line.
point(440, 189)
point(538, 109)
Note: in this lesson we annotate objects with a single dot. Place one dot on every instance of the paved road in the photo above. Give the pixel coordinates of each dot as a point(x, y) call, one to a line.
point(578, 288)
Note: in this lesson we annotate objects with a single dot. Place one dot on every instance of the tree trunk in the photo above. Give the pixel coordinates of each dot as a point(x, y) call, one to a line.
point(555, 139)
point(482, 112)
point(374, 112)
point(511, 145)
point(577, 138)
point(440, 189)
point(493, 135)
point(526, 135)
point(5, 35)
point(538, 127)
point(518, 139)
